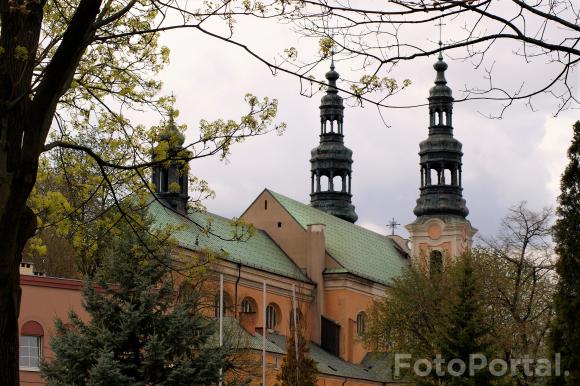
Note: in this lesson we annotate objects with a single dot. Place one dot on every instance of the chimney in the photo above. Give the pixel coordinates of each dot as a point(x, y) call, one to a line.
point(26, 268)
point(248, 321)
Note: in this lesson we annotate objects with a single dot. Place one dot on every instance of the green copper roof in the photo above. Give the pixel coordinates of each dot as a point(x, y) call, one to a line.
point(333, 365)
point(237, 337)
point(259, 251)
point(360, 251)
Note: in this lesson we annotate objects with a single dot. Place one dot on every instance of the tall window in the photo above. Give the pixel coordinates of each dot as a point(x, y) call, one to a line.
point(216, 305)
point(436, 262)
point(361, 323)
point(271, 316)
point(30, 345)
point(248, 306)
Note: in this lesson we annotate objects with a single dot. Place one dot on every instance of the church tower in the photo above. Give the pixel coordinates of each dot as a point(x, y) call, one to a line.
point(331, 161)
point(170, 179)
point(441, 230)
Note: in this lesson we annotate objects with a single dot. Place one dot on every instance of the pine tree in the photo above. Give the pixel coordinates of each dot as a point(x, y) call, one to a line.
point(297, 370)
point(565, 334)
point(140, 332)
point(467, 332)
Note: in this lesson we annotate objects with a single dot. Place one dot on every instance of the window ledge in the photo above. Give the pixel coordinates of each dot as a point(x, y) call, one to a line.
point(32, 369)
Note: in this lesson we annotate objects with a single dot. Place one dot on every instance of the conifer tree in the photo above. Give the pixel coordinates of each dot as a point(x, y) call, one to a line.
point(140, 331)
point(297, 369)
point(565, 334)
point(467, 333)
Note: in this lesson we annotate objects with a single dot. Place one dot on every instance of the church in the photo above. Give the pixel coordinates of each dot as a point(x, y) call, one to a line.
point(308, 254)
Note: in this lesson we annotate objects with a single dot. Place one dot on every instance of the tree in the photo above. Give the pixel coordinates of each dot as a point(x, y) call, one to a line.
point(565, 333)
point(436, 317)
point(297, 369)
point(380, 36)
point(519, 283)
point(73, 72)
point(140, 331)
point(468, 331)
point(70, 74)
point(410, 318)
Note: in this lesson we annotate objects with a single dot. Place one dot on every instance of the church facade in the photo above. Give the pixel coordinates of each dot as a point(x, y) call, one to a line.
point(315, 250)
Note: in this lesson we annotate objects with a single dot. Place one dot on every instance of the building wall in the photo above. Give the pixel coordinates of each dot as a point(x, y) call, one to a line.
point(344, 299)
point(44, 299)
point(343, 306)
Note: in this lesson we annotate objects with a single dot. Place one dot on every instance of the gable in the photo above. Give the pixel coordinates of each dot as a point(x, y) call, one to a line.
point(358, 250)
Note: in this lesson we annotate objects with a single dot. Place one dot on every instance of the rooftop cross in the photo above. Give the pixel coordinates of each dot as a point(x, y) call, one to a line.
point(393, 225)
point(440, 25)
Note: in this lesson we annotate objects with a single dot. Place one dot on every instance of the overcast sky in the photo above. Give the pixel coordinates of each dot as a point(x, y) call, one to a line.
point(519, 157)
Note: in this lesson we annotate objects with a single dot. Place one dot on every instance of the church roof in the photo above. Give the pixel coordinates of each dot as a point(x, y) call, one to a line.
point(259, 251)
point(332, 365)
point(360, 251)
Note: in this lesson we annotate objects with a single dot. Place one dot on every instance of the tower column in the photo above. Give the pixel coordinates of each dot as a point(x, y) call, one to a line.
point(331, 157)
point(441, 229)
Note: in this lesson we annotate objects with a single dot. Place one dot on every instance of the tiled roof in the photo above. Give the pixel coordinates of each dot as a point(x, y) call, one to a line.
point(236, 336)
point(381, 364)
point(360, 251)
point(258, 251)
point(333, 365)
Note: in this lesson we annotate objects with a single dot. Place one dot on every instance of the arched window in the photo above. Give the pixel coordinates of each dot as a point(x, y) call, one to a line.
point(248, 306)
point(446, 177)
point(433, 177)
point(338, 184)
point(30, 345)
point(435, 262)
point(324, 183)
point(272, 316)
point(361, 323)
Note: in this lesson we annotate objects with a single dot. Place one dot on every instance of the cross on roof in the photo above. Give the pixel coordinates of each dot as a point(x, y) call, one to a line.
point(393, 225)
point(440, 25)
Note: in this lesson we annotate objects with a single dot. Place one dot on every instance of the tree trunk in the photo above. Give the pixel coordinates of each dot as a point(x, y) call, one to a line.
point(14, 236)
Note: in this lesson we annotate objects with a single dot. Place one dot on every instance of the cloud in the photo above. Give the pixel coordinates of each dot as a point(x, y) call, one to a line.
point(519, 157)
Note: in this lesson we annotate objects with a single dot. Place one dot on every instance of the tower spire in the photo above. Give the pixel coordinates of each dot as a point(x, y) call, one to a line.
point(441, 230)
point(331, 161)
point(440, 153)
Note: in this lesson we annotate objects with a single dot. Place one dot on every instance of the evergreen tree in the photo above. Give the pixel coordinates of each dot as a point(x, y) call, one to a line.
point(140, 331)
point(467, 332)
point(565, 334)
point(297, 370)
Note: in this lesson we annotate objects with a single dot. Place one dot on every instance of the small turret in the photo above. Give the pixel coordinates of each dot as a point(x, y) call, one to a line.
point(440, 155)
point(331, 161)
point(170, 179)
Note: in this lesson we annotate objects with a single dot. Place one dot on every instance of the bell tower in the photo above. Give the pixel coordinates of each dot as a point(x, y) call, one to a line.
point(170, 178)
point(441, 230)
point(331, 161)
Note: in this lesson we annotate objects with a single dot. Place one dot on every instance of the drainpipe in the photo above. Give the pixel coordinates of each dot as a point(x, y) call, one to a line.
point(236, 290)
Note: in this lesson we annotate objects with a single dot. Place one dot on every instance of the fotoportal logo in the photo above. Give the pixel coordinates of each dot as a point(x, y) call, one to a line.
point(456, 367)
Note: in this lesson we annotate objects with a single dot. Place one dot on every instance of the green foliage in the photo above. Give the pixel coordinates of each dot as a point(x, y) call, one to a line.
point(430, 315)
point(371, 83)
point(565, 334)
point(468, 330)
point(140, 331)
point(325, 46)
point(411, 319)
point(297, 369)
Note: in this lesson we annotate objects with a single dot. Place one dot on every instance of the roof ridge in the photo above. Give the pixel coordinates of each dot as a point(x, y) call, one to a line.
point(325, 213)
